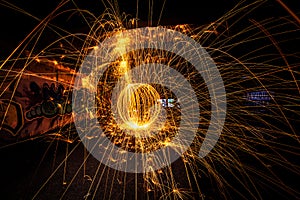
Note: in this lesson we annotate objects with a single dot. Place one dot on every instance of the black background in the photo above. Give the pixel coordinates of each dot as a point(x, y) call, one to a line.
point(20, 161)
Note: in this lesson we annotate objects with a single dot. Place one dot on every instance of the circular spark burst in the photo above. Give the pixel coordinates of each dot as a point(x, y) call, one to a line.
point(152, 73)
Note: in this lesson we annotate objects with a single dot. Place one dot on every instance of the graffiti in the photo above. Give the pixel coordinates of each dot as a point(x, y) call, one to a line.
point(169, 103)
point(262, 98)
point(259, 101)
point(35, 101)
point(55, 101)
point(11, 116)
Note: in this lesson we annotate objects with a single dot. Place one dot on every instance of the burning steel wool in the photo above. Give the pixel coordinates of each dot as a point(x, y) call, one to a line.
point(138, 109)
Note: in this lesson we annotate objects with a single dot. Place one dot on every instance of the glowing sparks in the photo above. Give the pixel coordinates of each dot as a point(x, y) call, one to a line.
point(148, 116)
point(86, 83)
point(124, 66)
point(121, 44)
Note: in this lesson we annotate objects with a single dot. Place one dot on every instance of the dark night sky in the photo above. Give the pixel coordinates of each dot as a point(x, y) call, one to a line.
point(16, 25)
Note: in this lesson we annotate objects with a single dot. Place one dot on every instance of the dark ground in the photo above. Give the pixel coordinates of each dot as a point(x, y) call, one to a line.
point(25, 167)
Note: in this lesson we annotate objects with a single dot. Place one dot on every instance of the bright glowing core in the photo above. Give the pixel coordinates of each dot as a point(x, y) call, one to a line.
point(138, 106)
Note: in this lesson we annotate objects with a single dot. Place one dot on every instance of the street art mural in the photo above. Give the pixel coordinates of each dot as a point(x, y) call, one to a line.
point(34, 103)
point(55, 101)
